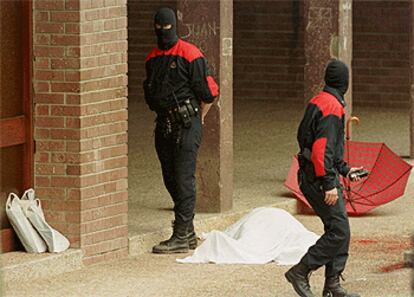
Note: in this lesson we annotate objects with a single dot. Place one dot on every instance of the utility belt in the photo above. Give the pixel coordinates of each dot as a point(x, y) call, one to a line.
point(181, 113)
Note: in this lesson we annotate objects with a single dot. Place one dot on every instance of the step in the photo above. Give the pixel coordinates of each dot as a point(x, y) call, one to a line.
point(143, 243)
point(22, 266)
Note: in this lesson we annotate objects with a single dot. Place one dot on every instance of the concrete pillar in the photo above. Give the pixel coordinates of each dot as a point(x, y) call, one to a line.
point(80, 89)
point(328, 34)
point(209, 25)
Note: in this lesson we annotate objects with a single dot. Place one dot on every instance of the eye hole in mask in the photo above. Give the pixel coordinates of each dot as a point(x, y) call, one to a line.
point(165, 27)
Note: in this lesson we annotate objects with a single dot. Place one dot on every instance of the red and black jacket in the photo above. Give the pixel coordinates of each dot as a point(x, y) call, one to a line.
point(180, 71)
point(322, 132)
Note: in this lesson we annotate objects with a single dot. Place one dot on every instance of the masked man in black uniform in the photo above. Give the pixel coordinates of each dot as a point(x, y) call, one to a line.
point(180, 91)
point(321, 142)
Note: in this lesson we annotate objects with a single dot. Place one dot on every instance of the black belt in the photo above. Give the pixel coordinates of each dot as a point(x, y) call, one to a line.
point(181, 113)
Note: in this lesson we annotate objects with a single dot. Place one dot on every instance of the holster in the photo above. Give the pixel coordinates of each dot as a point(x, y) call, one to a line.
point(182, 113)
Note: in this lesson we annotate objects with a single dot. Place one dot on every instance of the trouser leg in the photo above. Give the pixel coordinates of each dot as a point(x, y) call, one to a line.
point(185, 159)
point(332, 247)
point(165, 152)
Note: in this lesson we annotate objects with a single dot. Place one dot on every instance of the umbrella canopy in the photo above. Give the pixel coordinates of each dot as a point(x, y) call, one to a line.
point(387, 179)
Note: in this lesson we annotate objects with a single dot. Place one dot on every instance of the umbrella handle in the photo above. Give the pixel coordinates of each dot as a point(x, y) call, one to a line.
point(348, 124)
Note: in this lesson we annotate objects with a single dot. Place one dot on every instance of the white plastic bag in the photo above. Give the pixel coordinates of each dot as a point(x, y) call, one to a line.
point(30, 239)
point(55, 241)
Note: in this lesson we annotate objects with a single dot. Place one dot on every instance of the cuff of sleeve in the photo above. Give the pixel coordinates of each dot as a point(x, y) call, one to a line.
point(208, 99)
point(328, 183)
point(345, 171)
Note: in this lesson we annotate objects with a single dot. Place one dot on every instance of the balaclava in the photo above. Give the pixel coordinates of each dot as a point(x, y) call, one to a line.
point(337, 76)
point(166, 38)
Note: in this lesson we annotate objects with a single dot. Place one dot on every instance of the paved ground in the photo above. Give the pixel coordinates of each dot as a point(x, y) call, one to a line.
point(264, 143)
point(263, 148)
point(373, 269)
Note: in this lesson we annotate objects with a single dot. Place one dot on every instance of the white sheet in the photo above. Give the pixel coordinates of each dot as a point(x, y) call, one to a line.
point(262, 236)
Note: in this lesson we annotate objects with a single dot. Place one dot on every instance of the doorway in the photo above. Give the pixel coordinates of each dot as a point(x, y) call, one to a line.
point(16, 136)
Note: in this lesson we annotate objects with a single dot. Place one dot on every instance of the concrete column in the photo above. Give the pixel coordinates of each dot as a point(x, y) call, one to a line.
point(328, 34)
point(209, 25)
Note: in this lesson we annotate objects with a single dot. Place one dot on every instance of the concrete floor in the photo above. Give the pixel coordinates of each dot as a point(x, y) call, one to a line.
point(264, 142)
point(377, 247)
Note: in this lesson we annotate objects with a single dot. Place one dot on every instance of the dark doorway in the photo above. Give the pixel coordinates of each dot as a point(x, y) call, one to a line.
point(16, 137)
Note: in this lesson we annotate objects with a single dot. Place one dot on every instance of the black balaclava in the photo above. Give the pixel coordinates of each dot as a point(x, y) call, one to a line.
point(337, 76)
point(166, 38)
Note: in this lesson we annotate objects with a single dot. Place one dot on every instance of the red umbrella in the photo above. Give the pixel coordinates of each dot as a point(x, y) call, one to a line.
point(387, 179)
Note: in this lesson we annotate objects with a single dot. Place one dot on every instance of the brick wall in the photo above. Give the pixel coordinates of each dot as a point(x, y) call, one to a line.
point(141, 40)
point(80, 89)
point(381, 53)
point(268, 50)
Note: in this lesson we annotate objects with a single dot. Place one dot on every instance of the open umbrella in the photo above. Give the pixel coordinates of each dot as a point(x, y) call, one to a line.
point(387, 179)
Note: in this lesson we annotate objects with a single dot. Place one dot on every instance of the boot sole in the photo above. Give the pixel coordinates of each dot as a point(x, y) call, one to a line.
point(293, 285)
point(180, 251)
point(193, 245)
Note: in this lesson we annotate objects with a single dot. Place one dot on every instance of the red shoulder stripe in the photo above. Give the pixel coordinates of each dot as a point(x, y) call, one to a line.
point(182, 49)
point(328, 105)
point(318, 156)
point(212, 85)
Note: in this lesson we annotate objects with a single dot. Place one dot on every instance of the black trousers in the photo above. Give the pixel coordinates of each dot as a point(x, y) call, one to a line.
point(177, 152)
point(331, 250)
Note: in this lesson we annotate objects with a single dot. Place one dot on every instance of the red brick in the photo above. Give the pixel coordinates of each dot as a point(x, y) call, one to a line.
point(68, 158)
point(66, 110)
point(41, 87)
point(116, 163)
point(120, 23)
point(42, 181)
point(73, 52)
point(42, 39)
point(111, 152)
point(42, 157)
point(49, 28)
point(72, 123)
point(42, 63)
point(49, 4)
point(42, 109)
point(81, 169)
point(70, 134)
point(106, 246)
point(50, 193)
point(49, 146)
point(65, 17)
point(67, 63)
point(49, 51)
point(67, 182)
point(65, 40)
point(105, 235)
point(73, 99)
point(49, 75)
point(73, 4)
point(72, 29)
point(52, 122)
point(49, 98)
point(65, 87)
point(43, 169)
point(41, 16)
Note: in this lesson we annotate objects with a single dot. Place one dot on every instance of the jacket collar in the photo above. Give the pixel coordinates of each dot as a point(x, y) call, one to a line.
point(336, 93)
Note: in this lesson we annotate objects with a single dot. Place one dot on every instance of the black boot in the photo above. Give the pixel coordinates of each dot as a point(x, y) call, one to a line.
point(192, 237)
point(298, 276)
point(178, 242)
point(332, 288)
